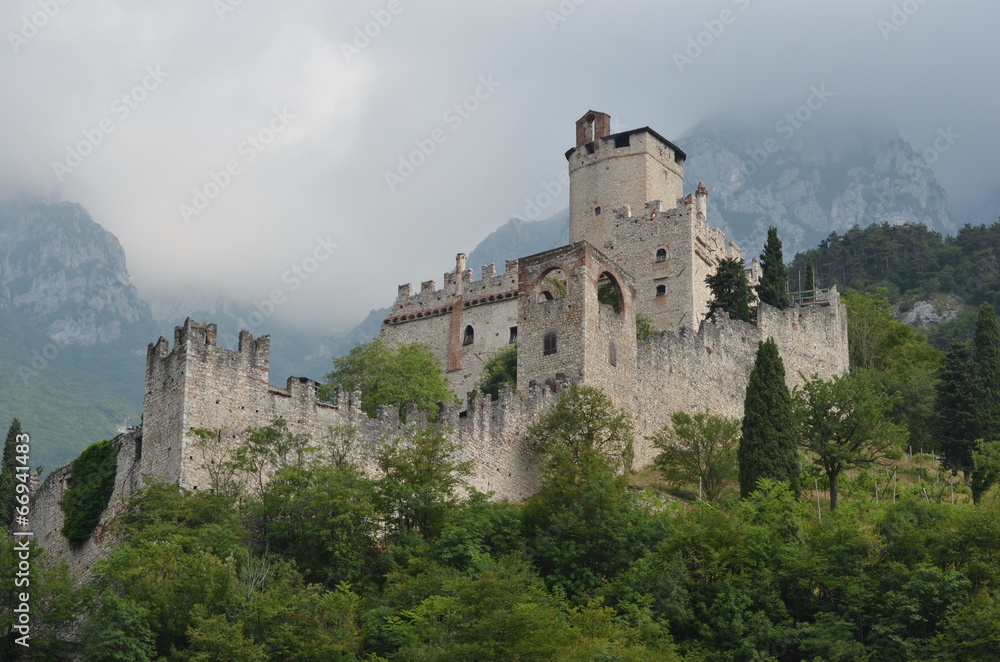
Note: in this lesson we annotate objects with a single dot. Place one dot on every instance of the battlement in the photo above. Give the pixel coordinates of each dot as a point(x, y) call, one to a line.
point(430, 301)
point(198, 385)
point(195, 339)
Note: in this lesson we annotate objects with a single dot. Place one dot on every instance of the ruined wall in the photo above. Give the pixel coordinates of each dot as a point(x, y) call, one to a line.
point(47, 517)
point(441, 319)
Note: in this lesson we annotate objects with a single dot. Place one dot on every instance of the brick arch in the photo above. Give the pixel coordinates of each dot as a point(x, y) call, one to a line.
point(546, 288)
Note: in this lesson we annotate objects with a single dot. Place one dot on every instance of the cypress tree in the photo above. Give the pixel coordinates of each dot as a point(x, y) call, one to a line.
point(957, 420)
point(8, 474)
point(773, 286)
point(987, 373)
point(768, 443)
point(809, 284)
point(731, 291)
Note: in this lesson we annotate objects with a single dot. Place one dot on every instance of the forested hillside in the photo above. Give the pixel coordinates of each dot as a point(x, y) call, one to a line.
point(913, 263)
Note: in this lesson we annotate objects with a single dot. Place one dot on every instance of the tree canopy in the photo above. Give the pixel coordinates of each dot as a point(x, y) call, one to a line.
point(8, 473)
point(767, 436)
point(845, 422)
point(500, 368)
point(699, 449)
point(731, 291)
point(387, 374)
point(773, 286)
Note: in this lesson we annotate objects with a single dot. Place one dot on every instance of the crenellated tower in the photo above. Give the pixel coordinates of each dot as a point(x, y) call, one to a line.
point(626, 199)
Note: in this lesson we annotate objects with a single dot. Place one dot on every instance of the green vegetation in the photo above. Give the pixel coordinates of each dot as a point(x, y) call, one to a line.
point(8, 473)
point(93, 480)
point(397, 375)
point(768, 437)
point(731, 291)
point(913, 263)
point(325, 562)
point(643, 327)
point(773, 286)
point(500, 368)
point(845, 422)
point(699, 449)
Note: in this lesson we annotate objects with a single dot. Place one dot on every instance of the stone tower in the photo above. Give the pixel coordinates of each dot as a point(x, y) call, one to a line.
point(608, 171)
point(576, 313)
point(626, 200)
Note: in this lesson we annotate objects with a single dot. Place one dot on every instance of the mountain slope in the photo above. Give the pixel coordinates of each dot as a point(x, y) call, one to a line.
point(810, 183)
point(73, 330)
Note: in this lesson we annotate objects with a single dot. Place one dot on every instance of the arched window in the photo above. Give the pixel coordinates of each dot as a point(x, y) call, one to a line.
point(470, 335)
point(552, 285)
point(661, 290)
point(550, 343)
point(613, 353)
point(609, 293)
point(661, 255)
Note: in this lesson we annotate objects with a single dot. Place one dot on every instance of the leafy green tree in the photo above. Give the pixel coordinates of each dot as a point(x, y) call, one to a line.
point(986, 468)
point(118, 631)
point(957, 424)
point(699, 448)
point(420, 481)
point(391, 375)
point(502, 612)
point(323, 519)
point(215, 639)
point(731, 291)
point(845, 422)
point(871, 329)
point(584, 428)
point(768, 437)
point(217, 459)
point(809, 282)
point(773, 286)
point(266, 449)
point(500, 368)
point(8, 474)
point(971, 633)
point(583, 522)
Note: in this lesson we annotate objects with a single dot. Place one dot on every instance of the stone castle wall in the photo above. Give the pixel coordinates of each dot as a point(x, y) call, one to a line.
point(441, 318)
point(196, 384)
point(47, 517)
point(228, 390)
point(708, 370)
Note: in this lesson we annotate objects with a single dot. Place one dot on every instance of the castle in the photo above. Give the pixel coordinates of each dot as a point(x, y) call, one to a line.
point(637, 245)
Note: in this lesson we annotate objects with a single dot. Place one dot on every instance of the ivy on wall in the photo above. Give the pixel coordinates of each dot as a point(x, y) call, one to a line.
point(93, 481)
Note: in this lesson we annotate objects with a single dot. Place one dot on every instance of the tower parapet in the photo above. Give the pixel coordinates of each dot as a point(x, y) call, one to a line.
point(610, 170)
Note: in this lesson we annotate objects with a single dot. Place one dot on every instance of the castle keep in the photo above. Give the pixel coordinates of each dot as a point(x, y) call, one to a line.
point(637, 246)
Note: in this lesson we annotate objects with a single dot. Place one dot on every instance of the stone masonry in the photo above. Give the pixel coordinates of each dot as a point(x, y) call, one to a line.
point(637, 246)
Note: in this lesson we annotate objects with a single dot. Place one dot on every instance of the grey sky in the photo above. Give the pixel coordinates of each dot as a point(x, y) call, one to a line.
point(309, 130)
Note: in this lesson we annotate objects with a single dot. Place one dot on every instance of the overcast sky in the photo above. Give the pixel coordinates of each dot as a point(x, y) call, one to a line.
point(136, 109)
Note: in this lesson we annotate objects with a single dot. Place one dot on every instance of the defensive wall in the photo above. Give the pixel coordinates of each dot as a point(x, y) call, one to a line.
point(194, 384)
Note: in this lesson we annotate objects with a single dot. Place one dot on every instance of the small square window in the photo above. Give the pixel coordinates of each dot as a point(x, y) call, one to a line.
point(621, 141)
point(597, 211)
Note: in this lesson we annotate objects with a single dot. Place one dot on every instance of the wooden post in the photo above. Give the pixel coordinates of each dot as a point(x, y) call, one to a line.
point(819, 511)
